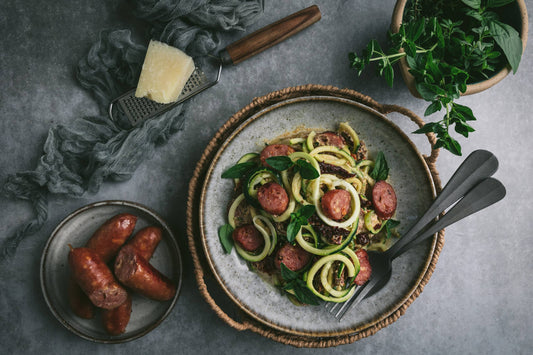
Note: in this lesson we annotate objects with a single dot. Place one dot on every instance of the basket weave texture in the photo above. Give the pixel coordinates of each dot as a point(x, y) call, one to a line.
point(201, 269)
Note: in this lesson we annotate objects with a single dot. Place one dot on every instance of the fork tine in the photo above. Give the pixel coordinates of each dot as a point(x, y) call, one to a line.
point(356, 298)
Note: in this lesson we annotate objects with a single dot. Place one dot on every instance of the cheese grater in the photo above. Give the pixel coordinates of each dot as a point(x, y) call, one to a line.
point(208, 69)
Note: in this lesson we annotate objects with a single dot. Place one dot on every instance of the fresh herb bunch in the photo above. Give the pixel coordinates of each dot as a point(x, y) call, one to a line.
point(447, 45)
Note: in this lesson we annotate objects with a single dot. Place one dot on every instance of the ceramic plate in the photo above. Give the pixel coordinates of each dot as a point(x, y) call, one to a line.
point(76, 229)
point(408, 174)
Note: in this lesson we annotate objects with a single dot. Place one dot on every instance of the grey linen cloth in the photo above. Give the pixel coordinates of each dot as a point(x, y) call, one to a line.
point(77, 159)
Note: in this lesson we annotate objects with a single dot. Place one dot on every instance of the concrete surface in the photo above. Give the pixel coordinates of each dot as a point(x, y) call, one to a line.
point(480, 298)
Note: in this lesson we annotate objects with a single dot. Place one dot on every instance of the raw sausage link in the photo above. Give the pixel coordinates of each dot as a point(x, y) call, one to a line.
point(136, 273)
point(108, 239)
point(248, 237)
point(292, 256)
point(273, 198)
point(274, 150)
point(366, 270)
point(115, 320)
point(329, 138)
point(146, 240)
point(95, 279)
point(384, 199)
point(336, 203)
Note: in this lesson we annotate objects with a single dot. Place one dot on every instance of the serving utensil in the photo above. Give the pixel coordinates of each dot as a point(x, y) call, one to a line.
point(471, 185)
point(208, 69)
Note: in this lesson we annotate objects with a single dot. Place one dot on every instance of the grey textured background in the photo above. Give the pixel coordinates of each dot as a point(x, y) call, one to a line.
point(480, 296)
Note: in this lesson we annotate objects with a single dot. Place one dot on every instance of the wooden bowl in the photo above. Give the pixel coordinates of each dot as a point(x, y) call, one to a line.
point(521, 25)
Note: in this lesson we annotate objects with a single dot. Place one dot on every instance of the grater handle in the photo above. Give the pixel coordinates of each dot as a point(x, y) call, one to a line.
point(270, 35)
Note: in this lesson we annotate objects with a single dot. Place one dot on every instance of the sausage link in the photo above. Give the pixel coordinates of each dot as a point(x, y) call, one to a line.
point(274, 150)
point(329, 138)
point(248, 237)
point(108, 239)
point(336, 203)
point(146, 240)
point(95, 278)
point(366, 270)
point(137, 274)
point(273, 198)
point(292, 256)
point(384, 199)
point(116, 320)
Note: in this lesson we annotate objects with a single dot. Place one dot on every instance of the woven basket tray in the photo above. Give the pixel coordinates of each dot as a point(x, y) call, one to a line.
point(240, 320)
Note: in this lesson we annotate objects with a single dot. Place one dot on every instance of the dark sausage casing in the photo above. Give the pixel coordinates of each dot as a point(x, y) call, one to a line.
point(95, 278)
point(136, 273)
point(145, 241)
point(106, 241)
point(115, 320)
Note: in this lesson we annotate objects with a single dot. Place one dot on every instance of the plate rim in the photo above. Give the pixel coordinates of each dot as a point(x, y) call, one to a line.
point(208, 175)
point(137, 206)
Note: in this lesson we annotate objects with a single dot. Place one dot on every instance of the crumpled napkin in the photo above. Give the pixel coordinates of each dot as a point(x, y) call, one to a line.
point(80, 157)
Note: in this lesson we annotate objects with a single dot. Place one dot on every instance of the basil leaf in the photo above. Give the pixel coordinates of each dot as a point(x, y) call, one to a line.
point(434, 107)
point(287, 274)
point(389, 226)
point(307, 211)
point(293, 228)
point(304, 294)
point(238, 170)
point(498, 3)
point(224, 234)
point(509, 41)
point(307, 170)
point(381, 168)
point(280, 162)
point(475, 4)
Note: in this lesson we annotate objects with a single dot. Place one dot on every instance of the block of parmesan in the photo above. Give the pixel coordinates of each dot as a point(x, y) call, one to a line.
point(164, 73)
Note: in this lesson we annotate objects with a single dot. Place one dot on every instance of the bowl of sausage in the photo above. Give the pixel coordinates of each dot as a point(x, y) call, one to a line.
point(111, 271)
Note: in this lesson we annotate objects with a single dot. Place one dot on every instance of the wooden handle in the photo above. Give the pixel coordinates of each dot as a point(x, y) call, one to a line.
point(270, 35)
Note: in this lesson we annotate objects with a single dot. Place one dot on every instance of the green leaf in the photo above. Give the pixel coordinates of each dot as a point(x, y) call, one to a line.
point(425, 91)
point(298, 219)
point(465, 111)
point(509, 41)
point(428, 127)
point(224, 235)
point(280, 162)
point(433, 107)
point(475, 4)
point(463, 128)
point(389, 75)
point(306, 211)
point(381, 168)
point(293, 228)
point(498, 3)
point(389, 226)
point(287, 274)
point(238, 170)
point(307, 170)
point(302, 293)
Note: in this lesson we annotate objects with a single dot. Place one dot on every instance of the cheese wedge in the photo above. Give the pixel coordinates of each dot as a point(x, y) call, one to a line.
point(164, 73)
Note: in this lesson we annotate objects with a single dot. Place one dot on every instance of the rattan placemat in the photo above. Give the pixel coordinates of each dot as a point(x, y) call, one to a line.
point(202, 270)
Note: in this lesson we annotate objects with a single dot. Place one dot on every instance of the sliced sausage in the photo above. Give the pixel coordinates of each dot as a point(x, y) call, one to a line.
point(108, 239)
point(116, 320)
point(336, 203)
point(329, 138)
point(384, 199)
point(292, 256)
point(366, 270)
point(137, 274)
point(248, 237)
point(79, 303)
point(274, 150)
point(273, 198)
point(95, 278)
point(146, 240)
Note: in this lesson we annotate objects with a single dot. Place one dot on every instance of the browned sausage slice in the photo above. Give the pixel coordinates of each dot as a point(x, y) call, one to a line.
point(136, 273)
point(336, 203)
point(384, 199)
point(116, 320)
point(366, 270)
point(95, 279)
point(292, 256)
point(273, 198)
point(274, 150)
point(329, 138)
point(248, 237)
point(108, 239)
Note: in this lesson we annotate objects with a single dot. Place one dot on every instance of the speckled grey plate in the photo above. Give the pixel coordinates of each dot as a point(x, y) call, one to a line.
point(76, 229)
point(408, 174)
